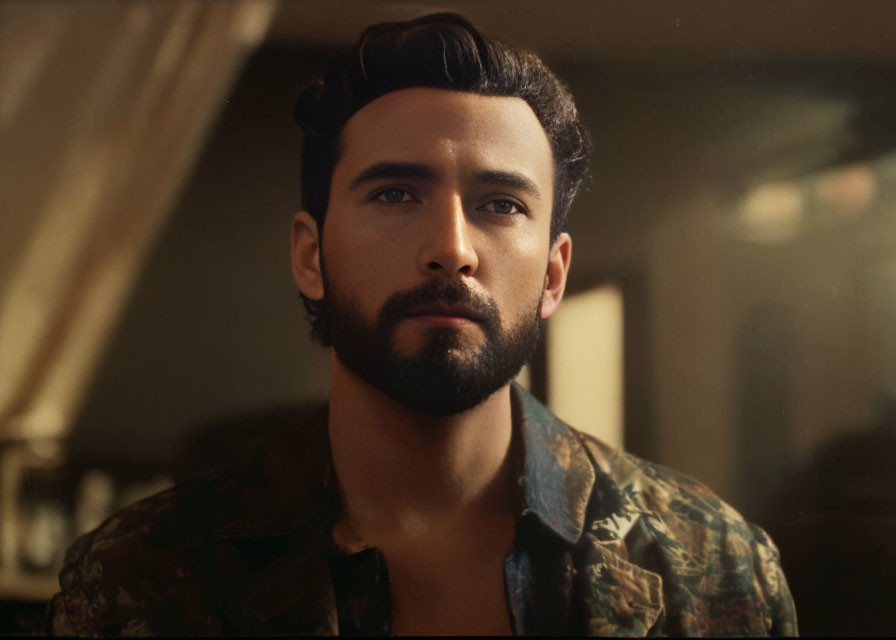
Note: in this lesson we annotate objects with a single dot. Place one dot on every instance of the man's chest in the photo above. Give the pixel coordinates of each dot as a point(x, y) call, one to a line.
point(429, 585)
point(466, 598)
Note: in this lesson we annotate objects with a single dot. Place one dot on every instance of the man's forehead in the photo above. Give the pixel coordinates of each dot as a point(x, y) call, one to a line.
point(434, 125)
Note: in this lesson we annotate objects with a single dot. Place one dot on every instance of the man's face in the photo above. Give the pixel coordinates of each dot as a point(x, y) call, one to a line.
point(436, 245)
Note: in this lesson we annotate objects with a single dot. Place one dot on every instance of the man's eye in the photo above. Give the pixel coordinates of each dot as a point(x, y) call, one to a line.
point(505, 207)
point(393, 196)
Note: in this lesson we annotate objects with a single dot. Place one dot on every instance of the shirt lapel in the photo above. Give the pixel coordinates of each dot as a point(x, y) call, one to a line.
point(293, 595)
point(569, 493)
point(555, 474)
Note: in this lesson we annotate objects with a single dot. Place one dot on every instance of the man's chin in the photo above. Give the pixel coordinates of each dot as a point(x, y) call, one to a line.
point(460, 343)
point(454, 358)
point(446, 383)
point(443, 402)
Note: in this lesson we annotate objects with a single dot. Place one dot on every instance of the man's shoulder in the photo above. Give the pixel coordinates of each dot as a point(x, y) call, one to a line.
point(676, 509)
point(626, 487)
point(168, 562)
point(658, 490)
point(172, 518)
point(147, 551)
point(717, 569)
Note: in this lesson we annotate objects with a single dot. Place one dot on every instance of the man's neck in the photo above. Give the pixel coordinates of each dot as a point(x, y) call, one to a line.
point(403, 474)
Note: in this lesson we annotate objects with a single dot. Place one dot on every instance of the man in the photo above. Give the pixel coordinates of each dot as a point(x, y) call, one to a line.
point(433, 496)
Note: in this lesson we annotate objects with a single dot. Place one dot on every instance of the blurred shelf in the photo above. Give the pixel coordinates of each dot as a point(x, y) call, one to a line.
point(19, 586)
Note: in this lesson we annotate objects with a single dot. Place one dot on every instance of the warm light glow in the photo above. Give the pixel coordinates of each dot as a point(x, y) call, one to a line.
point(780, 211)
point(846, 192)
point(584, 353)
point(772, 212)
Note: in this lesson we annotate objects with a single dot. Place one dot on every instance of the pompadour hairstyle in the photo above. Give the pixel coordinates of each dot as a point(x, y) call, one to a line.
point(441, 51)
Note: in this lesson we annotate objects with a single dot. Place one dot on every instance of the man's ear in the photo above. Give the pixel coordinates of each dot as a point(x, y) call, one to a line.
point(305, 256)
point(555, 276)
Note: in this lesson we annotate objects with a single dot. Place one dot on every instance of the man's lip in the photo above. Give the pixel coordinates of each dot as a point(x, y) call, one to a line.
point(449, 311)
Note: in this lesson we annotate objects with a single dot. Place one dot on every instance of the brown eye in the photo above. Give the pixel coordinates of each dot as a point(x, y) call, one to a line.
point(504, 207)
point(394, 196)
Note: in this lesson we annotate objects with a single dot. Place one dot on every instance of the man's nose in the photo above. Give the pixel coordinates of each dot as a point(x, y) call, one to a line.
point(447, 248)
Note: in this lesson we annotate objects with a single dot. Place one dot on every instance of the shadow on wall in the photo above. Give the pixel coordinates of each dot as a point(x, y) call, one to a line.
point(835, 525)
point(240, 439)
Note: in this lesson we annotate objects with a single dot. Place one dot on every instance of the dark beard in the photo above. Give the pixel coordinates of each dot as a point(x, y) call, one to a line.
point(436, 380)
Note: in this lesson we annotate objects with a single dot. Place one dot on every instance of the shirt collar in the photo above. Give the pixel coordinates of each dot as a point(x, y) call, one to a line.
point(556, 474)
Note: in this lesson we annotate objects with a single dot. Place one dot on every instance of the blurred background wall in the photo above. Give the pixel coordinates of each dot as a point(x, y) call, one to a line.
point(732, 302)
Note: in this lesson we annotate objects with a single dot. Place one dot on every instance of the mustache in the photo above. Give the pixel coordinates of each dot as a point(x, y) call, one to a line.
point(438, 292)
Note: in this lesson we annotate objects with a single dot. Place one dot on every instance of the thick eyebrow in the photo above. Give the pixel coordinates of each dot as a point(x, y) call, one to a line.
point(508, 179)
point(393, 171)
point(418, 171)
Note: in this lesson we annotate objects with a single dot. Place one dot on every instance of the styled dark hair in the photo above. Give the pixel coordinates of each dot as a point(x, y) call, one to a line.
point(443, 51)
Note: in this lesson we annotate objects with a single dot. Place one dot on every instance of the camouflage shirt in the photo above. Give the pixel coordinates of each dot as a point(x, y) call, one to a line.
point(606, 544)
